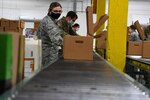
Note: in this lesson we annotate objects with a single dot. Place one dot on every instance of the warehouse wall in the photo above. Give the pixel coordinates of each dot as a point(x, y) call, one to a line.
point(139, 10)
point(37, 9)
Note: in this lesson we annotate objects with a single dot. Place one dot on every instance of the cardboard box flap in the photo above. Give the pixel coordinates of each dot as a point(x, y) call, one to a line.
point(100, 22)
point(100, 34)
point(89, 17)
point(94, 6)
point(140, 30)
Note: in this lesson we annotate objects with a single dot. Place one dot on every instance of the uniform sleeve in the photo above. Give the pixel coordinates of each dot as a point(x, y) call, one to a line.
point(60, 24)
point(71, 31)
point(63, 25)
point(55, 34)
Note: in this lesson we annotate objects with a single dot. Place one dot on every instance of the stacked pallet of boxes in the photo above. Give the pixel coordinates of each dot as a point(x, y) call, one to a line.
point(81, 47)
point(139, 48)
point(12, 53)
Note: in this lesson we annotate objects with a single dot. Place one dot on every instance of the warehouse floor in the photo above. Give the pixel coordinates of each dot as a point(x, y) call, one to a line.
point(80, 80)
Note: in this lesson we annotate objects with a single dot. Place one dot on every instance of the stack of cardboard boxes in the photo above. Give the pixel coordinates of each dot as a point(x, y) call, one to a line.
point(81, 47)
point(11, 33)
point(139, 48)
point(11, 25)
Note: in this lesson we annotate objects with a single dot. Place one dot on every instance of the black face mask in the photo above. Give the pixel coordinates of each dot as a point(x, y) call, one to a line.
point(55, 15)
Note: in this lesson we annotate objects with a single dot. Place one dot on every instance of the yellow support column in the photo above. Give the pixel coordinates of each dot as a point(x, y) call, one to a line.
point(117, 30)
point(101, 8)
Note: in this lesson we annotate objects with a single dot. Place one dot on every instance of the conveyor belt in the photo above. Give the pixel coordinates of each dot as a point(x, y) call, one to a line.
point(80, 80)
point(139, 62)
point(139, 58)
point(138, 68)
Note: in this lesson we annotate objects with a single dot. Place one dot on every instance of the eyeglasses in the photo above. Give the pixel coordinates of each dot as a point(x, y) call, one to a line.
point(57, 11)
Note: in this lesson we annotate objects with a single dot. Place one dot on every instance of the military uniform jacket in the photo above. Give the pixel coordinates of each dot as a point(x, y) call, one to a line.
point(52, 37)
point(63, 24)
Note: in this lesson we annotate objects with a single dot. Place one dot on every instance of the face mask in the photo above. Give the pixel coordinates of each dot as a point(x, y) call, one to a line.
point(77, 29)
point(71, 22)
point(55, 15)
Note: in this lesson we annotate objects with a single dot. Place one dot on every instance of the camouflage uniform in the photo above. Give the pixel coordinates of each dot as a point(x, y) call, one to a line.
point(63, 24)
point(52, 37)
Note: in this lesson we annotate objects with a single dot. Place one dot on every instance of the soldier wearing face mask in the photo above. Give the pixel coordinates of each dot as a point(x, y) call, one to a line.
point(65, 23)
point(51, 35)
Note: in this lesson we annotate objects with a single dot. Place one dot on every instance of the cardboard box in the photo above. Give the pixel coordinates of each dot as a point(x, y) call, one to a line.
point(100, 22)
point(12, 29)
point(101, 41)
point(94, 6)
point(14, 24)
point(140, 30)
point(36, 24)
point(78, 47)
point(4, 22)
point(1, 29)
point(134, 48)
point(146, 49)
point(89, 17)
point(21, 58)
point(128, 34)
point(93, 27)
point(16, 37)
point(22, 25)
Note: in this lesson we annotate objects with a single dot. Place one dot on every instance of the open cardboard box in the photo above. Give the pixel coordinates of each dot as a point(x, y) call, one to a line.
point(78, 47)
point(93, 27)
point(81, 47)
point(146, 44)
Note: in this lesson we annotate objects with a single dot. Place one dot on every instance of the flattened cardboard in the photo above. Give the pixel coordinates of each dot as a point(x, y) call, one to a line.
point(78, 47)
